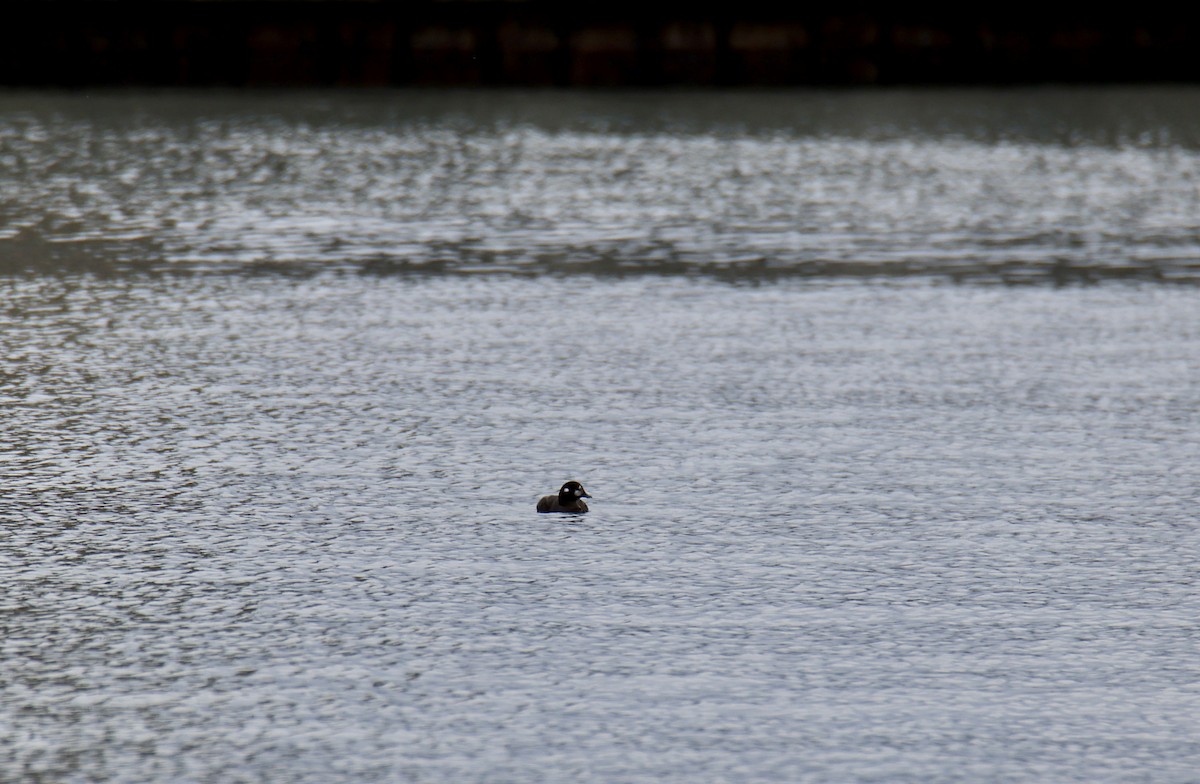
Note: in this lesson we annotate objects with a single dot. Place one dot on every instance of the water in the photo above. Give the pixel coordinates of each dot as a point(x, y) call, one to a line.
point(1041, 185)
point(271, 448)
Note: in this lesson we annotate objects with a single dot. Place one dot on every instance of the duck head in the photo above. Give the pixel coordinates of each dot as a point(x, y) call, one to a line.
point(571, 492)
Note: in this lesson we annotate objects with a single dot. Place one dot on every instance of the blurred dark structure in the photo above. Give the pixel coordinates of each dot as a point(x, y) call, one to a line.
point(388, 42)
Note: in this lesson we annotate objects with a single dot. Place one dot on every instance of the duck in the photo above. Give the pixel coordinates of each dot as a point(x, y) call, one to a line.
point(569, 499)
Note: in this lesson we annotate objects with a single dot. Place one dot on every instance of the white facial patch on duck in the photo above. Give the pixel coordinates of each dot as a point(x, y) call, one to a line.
point(579, 492)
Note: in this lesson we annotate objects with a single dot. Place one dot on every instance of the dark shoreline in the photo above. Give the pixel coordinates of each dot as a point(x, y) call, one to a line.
point(286, 43)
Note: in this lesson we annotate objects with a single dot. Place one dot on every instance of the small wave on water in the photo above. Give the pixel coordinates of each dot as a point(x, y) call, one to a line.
point(39, 257)
point(1034, 186)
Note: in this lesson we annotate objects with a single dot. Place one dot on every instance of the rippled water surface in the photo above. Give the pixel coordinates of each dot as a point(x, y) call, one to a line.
point(283, 376)
point(1017, 185)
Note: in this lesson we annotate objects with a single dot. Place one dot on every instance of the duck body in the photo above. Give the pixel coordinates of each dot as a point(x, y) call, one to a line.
point(569, 499)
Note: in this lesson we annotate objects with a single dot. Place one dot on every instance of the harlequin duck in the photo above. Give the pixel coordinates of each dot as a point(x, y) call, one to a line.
point(569, 499)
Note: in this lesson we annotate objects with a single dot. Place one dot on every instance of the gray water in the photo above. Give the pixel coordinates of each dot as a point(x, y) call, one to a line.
point(284, 375)
point(1012, 186)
